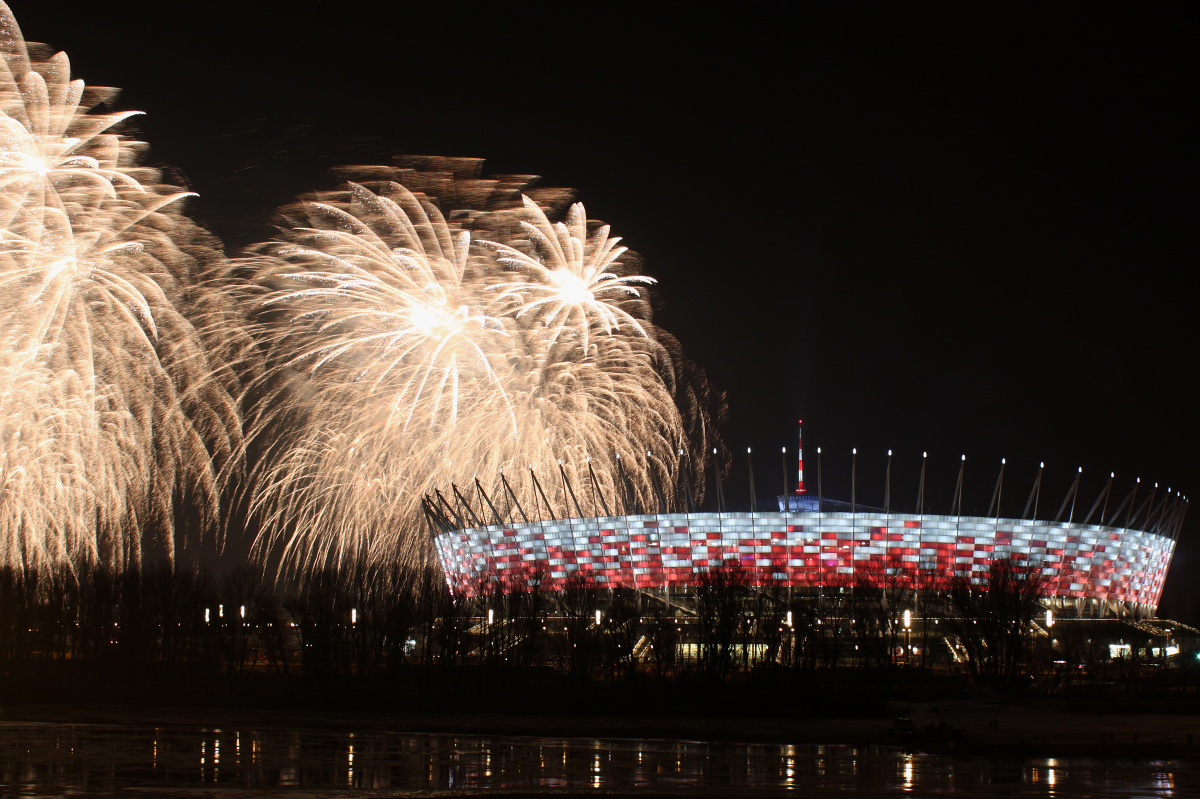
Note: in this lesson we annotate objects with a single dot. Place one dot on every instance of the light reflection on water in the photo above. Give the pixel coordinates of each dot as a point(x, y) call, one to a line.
point(53, 759)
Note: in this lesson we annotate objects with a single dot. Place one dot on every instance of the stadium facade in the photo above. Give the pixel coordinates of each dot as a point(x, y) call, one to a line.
point(1116, 566)
point(1101, 567)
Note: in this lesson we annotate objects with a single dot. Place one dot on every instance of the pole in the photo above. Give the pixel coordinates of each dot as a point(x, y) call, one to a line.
point(887, 486)
point(1107, 494)
point(1132, 503)
point(853, 476)
point(799, 456)
point(787, 497)
point(820, 539)
point(921, 485)
point(685, 468)
point(956, 505)
point(922, 609)
point(820, 494)
point(717, 476)
point(997, 494)
point(750, 468)
point(853, 527)
point(787, 506)
point(1034, 495)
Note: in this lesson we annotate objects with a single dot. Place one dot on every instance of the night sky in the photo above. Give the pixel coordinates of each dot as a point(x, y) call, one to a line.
point(966, 234)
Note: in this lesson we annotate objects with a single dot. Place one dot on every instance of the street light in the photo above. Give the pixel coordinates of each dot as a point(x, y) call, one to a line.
point(907, 637)
point(1050, 633)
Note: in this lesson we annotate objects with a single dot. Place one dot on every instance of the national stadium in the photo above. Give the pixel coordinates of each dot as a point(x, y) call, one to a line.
point(1110, 561)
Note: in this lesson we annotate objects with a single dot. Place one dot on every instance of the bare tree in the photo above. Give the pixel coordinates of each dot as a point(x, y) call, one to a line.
point(992, 616)
point(883, 591)
point(767, 612)
point(663, 631)
point(720, 593)
point(622, 626)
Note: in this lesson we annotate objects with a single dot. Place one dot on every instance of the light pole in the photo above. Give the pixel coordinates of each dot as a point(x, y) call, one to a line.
point(907, 637)
point(1050, 637)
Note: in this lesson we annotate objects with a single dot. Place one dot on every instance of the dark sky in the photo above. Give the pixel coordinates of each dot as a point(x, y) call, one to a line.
point(969, 234)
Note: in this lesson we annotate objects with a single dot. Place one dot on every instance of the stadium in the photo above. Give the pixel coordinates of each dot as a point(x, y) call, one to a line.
point(1097, 568)
point(1110, 563)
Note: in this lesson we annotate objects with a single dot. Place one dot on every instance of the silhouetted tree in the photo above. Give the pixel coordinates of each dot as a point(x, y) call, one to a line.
point(883, 591)
point(578, 601)
point(720, 593)
point(622, 627)
point(992, 614)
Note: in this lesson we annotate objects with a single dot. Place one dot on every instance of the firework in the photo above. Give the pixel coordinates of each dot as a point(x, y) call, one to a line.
point(568, 287)
point(110, 408)
point(396, 351)
point(408, 353)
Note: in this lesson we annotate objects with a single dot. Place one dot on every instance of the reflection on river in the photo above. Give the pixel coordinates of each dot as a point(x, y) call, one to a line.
point(56, 759)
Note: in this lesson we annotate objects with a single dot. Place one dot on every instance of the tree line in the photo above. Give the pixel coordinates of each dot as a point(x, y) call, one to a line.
point(374, 621)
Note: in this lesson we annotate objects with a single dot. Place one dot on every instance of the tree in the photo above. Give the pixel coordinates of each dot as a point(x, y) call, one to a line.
point(992, 615)
point(578, 601)
point(883, 591)
point(719, 595)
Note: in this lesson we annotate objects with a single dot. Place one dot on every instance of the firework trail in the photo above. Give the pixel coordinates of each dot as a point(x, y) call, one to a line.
point(408, 352)
point(110, 408)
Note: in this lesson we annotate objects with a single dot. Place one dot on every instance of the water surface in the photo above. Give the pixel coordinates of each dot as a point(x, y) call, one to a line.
point(55, 759)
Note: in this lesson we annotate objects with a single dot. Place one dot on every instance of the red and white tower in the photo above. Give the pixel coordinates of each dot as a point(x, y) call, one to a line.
point(800, 457)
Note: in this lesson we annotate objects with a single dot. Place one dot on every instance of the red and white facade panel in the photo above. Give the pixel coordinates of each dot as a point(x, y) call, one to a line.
point(810, 549)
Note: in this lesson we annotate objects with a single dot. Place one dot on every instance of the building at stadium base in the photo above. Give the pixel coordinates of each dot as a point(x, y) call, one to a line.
point(1098, 569)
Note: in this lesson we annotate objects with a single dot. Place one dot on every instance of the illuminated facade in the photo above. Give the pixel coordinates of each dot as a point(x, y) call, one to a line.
point(1104, 564)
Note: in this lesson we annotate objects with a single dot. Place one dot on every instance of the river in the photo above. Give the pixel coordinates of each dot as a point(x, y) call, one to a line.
point(58, 759)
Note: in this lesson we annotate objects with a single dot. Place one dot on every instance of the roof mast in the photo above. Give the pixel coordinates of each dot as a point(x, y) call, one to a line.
point(800, 456)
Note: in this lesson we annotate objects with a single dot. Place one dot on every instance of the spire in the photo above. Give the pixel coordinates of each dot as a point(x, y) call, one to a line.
point(799, 457)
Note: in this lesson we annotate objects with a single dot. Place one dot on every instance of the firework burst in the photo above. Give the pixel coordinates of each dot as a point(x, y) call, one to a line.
point(568, 286)
point(110, 409)
point(395, 351)
point(407, 355)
